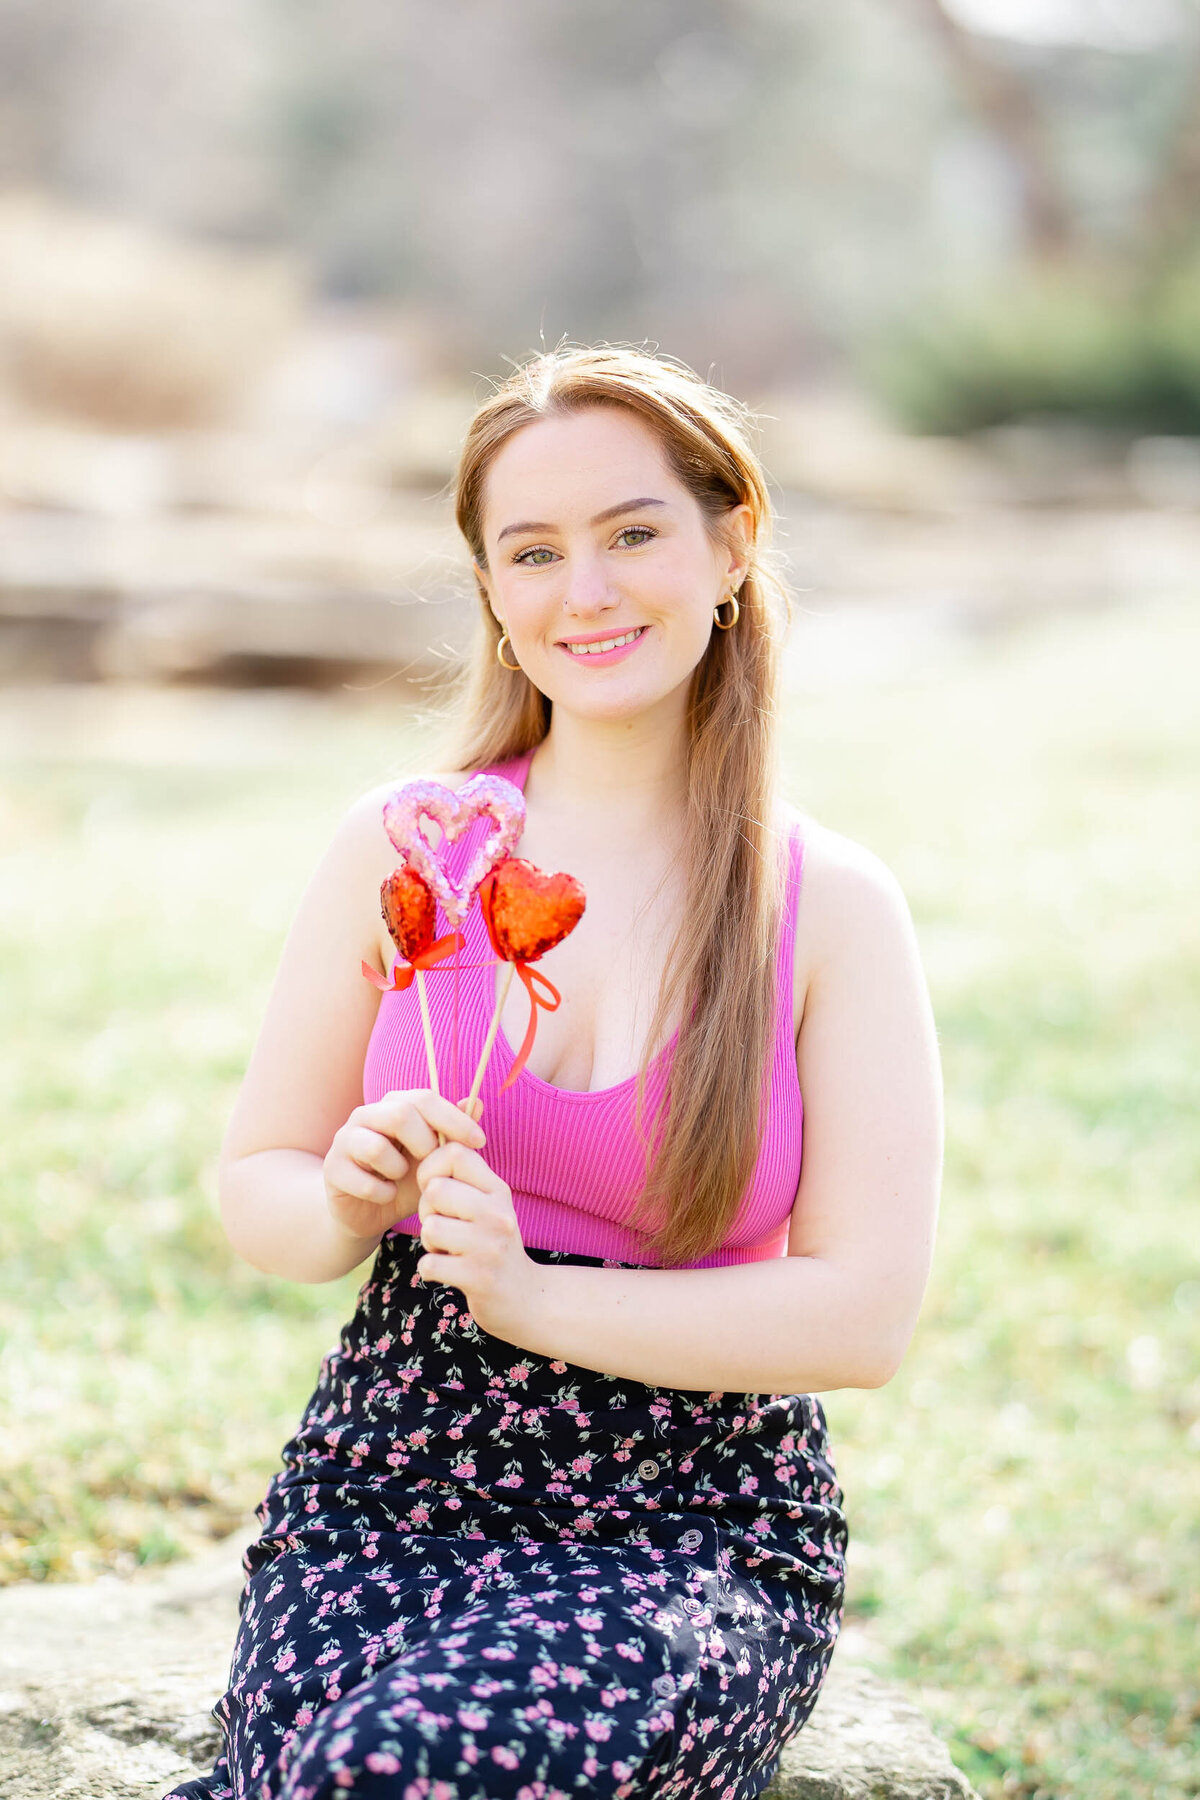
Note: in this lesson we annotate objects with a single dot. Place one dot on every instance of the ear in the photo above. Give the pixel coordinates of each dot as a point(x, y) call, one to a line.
point(484, 589)
point(739, 521)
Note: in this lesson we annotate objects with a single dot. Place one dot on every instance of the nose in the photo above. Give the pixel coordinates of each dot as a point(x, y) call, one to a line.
point(587, 591)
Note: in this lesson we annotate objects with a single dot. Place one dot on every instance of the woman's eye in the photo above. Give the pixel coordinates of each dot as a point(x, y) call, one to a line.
point(630, 537)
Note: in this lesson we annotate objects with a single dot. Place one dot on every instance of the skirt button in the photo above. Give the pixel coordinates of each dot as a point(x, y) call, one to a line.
point(691, 1540)
point(648, 1469)
point(664, 1685)
point(692, 1605)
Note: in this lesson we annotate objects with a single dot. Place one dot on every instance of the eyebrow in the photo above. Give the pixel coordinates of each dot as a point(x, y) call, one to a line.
point(610, 512)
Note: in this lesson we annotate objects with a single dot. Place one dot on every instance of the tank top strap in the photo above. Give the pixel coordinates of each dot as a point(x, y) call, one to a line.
point(794, 875)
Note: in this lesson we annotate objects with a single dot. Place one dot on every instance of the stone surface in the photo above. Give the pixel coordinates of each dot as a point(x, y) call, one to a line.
point(106, 1690)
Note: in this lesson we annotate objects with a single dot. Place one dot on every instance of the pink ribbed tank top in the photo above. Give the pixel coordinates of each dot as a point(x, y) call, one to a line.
point(573, 1160)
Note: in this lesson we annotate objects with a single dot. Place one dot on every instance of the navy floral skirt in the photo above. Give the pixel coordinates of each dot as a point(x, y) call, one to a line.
point(486, 1575)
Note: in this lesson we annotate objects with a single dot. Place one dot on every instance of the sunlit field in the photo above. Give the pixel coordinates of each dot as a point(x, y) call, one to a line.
point(1024, 1496)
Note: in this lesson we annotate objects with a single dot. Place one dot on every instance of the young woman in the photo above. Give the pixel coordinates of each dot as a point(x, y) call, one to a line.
point(560, 1517)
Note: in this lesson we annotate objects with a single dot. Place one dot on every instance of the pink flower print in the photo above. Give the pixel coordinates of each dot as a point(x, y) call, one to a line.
point(573, 1677)
point(454, 1431)
point(620, 1456)
point(587, 1595)
point(333, 1691)
point(382, 1762)
point(310, 1506)
point(419, 1515)
point(630, 1652)
point(339, 1745)
point(508, 1759)
point(530, 1417)
point(581, 1465)
point(491, 1560)
point(749, 1485)
point(559, 1367)
point(470, 1753)
point(384, 1344)
point(519, 1372)
point(582, 1420)
point(453, 1502)
point(465, 1469)
point(498, 1652)
point(685, 1467)
point(591, 1767)
point(472, 1718)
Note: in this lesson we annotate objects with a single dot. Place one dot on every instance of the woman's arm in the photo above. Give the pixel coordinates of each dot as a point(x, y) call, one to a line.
point(304, 1082)
point(840, 1308)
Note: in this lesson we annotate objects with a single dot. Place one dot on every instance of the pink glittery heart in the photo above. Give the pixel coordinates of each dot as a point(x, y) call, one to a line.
point(455, 811)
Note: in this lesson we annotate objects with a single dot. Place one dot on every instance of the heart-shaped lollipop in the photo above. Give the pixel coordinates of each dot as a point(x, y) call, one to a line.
point(408, 912)
point(455, 812)
point(527, 911)
point(411, 918)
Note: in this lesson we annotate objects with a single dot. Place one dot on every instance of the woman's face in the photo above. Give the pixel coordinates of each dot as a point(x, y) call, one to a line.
point(599, 564)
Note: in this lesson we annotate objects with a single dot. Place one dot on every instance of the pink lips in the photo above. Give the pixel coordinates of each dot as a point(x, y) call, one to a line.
point(602, 658)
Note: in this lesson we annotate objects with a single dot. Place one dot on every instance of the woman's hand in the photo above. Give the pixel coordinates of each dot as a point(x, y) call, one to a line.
point(469, 1229)
point(369, 1179)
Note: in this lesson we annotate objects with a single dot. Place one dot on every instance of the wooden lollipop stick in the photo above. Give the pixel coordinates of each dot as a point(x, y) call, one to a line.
point(493, 1028)
point(427, 1028)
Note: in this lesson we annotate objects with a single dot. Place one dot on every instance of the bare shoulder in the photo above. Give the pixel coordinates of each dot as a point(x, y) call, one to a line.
point(851, 909)
point(361, 825)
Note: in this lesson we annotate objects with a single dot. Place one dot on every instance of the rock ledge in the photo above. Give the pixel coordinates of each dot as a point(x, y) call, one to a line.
point(106, 1690)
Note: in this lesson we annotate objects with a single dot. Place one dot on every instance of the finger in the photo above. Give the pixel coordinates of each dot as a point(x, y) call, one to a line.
point(441, 1115)
point(453, 1198)
point(453, 1123)
point(441, 1233)
point(440, 1268)
point(401, 1118)
point(374, 1151)
point(458, 1162)
point(472, 1108)
point(361, 1184)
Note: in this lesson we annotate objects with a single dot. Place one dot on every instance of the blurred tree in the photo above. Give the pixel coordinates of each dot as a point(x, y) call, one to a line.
point(753, 183)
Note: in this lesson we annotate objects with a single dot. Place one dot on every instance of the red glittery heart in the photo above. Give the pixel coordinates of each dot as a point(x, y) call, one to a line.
point(408, 912)
point(528, 911)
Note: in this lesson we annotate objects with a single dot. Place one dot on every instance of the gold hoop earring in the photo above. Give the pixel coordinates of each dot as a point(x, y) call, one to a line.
point(727, 624)
point(515, 668)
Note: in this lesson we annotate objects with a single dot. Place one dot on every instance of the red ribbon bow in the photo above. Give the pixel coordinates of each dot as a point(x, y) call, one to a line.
point(541, 990)
point(403, 972)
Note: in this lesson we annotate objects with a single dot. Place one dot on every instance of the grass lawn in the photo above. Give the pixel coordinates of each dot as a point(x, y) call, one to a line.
point(1023, 1497)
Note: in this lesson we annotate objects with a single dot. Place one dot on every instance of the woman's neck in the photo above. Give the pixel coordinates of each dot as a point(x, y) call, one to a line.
point(630, 773)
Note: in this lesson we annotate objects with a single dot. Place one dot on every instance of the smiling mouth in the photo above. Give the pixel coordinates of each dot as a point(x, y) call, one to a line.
point(603, 644)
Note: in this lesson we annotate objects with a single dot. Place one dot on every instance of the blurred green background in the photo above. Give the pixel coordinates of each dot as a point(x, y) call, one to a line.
point(257, 263)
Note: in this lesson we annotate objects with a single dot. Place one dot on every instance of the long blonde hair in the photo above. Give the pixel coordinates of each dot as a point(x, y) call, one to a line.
point(720, 974)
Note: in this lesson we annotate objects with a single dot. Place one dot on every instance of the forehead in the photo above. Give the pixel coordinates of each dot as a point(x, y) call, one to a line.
point(572, 466)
